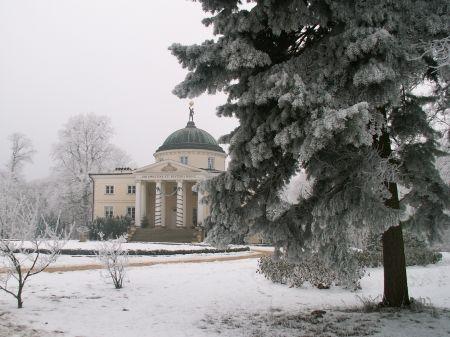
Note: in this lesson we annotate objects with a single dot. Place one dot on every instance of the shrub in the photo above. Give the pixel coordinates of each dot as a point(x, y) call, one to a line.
point(417, 251)
point(311, 269)
point(114, 258)
point(144, 222)
point(314, 270)
point(111, 228)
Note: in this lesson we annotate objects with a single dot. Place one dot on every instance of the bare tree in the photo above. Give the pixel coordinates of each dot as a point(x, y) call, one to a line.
point(83, 147)
point(28, 245)
point(114, 258)
point(22, 152)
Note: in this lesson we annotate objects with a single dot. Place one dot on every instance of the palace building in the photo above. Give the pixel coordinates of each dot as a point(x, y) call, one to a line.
point(162, 197)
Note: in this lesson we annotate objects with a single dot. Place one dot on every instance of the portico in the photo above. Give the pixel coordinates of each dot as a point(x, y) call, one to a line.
point(166, 195)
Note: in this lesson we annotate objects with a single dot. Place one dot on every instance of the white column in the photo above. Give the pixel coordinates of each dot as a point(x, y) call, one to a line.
point(185, 197)
point(137, 205)
point(158, 206)
point(200, 207)
point(163, 204)
point(180, 208)
point(143, 199)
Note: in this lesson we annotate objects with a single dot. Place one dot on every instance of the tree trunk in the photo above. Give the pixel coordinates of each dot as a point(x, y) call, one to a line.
point(395, 280)
point(19, 297)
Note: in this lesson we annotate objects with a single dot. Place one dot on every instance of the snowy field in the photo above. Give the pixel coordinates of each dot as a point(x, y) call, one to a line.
point(218, 299)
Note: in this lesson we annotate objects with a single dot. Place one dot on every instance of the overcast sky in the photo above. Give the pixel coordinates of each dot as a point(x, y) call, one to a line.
point(59, 58)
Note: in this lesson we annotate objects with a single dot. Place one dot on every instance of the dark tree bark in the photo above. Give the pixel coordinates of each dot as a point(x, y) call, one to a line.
point(395, 280)
point(19, 297)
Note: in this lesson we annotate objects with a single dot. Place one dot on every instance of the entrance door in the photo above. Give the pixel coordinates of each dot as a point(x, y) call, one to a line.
point(173, 218)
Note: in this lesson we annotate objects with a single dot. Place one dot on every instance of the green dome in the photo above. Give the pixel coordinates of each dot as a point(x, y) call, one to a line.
point(190, 138)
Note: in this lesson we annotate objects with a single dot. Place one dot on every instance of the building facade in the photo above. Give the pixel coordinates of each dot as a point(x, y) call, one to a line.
point(163, 194)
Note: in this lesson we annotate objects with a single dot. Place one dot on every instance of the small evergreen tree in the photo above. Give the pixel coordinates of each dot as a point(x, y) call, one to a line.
point(327, 86)
point(417, 252)
point(144, 222)
point(109, 228)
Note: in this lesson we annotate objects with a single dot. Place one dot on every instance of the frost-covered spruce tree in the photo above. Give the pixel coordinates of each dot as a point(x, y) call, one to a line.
point(326, 86)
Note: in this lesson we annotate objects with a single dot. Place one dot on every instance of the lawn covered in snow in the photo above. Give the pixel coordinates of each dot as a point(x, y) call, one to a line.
point(218, 299)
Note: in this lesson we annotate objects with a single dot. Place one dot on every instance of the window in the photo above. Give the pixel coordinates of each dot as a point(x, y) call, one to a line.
point(131, 212)
point(109, 212)
point(184, 160)
point(131, 189)
point(109, 189)
point(210, 163)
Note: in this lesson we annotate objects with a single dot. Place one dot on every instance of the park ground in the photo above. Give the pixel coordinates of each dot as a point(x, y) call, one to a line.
point(214, 296)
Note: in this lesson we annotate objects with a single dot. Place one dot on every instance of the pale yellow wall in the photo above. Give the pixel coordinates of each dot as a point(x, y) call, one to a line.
point(120, 200)
point(196, 158)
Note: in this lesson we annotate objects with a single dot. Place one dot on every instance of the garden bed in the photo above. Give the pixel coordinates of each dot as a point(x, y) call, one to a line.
point(145, 252)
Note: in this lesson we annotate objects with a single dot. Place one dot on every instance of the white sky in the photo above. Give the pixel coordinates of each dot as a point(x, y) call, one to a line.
point(59, 58)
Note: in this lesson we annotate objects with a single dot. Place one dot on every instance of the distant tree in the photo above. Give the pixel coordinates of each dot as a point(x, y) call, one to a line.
point(83, 147)
point(328, 87)
point(21, 152)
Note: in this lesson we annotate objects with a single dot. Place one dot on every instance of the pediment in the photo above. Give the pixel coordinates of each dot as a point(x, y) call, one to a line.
point(167, 166)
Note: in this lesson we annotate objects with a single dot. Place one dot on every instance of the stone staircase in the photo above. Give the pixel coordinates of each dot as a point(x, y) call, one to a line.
point(180, 235)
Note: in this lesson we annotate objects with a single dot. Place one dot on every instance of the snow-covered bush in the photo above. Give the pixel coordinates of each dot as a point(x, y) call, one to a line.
point(311, 269)
point(114, 258)
point(110, 228)
point(28, 245)
point(417, 251)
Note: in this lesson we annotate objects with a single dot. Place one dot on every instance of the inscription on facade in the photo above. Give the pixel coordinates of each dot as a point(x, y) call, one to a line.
point(169, 177)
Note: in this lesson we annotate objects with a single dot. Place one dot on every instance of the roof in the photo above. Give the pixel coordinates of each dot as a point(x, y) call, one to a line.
point(190, 137)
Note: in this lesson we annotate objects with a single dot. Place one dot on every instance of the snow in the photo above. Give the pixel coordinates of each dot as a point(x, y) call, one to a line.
point(81, 260)
point(68, 261)
point(215, 299)
point(145, 246)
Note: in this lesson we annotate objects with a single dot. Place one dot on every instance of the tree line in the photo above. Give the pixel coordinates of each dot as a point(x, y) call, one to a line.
point(83, 146)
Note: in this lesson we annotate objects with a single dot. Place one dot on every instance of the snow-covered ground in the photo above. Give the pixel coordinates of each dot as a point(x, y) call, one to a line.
point(66, 261)
point(217, 299)
point(82, 260)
